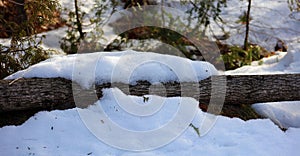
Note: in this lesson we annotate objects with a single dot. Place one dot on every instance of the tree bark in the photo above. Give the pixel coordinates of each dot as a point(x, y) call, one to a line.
point(247, 26)
point(57, 93)
point(78, 22)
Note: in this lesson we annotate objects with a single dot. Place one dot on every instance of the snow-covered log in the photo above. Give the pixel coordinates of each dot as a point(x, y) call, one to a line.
point(57, 93)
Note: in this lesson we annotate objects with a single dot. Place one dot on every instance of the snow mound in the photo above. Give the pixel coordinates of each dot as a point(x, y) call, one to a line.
point(285, 114)
point(63, 133)
point(126, 66)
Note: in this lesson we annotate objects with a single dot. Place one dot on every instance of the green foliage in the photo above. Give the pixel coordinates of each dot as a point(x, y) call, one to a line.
point(243, 18)
point(22, 56)
point(203, 10)
point(25, 46)
point(237, 56)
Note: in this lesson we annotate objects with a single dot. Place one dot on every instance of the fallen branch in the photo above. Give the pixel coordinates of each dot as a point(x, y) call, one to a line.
point(57, 93)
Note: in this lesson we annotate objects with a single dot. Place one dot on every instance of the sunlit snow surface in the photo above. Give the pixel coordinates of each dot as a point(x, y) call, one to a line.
point(126, 66)
point(63, 133)
point(285, 114)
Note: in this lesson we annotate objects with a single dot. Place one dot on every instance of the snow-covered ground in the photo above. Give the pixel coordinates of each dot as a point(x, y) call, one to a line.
point(271, 20)
point(285, 114)
point(64, 133)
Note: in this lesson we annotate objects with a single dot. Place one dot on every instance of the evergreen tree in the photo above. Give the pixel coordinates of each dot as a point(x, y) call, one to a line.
point(21, 20)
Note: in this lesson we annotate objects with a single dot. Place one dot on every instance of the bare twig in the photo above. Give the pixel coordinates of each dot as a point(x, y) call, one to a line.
point(14, 2)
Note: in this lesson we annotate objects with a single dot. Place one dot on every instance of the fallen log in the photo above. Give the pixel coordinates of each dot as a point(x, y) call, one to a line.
point(57, 93)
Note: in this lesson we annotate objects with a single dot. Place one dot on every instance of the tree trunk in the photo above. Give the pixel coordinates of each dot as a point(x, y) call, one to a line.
point(247, 26)
point(78, 22)
point(57, 93)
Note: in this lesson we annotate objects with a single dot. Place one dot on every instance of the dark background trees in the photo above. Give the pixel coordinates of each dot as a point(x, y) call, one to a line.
point(21, 20)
